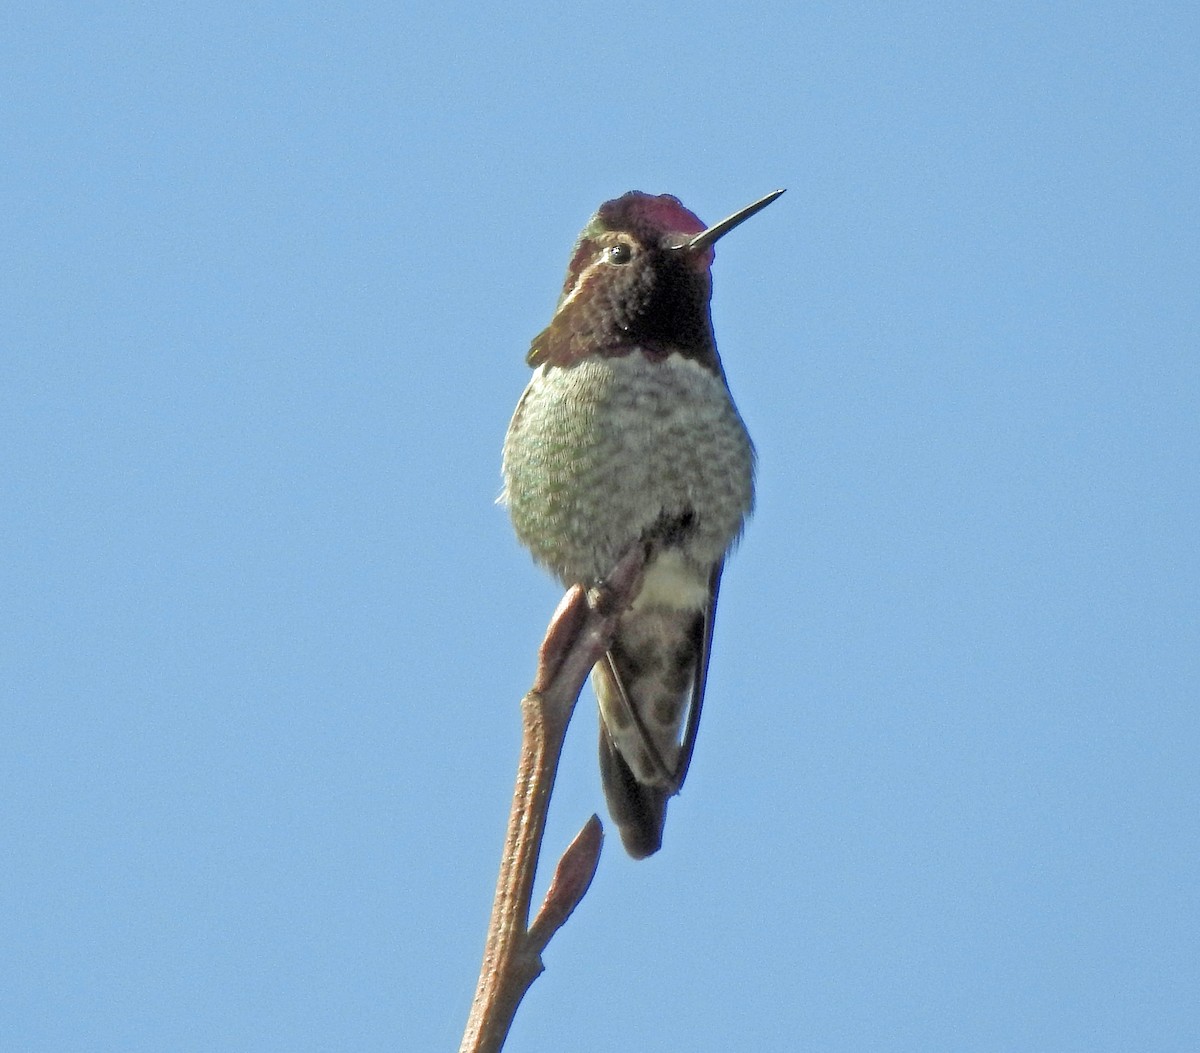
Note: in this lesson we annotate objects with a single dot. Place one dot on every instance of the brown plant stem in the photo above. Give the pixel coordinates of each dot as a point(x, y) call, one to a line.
point(579, 633)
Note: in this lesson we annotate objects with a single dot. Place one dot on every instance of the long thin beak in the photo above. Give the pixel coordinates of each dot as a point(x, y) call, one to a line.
point(706, 237)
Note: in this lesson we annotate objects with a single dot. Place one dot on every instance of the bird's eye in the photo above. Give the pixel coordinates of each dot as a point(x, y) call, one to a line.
point(619, 253)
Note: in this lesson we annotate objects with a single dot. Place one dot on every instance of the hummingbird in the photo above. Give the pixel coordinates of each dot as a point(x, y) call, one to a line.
point(627, 434)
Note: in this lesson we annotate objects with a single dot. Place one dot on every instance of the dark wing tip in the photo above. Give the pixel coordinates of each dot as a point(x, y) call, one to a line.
point(638, 810)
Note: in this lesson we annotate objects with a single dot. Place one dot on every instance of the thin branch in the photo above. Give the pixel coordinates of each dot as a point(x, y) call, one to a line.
point(578, 635)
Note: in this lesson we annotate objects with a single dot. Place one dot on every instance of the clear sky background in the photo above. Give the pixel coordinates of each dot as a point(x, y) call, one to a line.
point(269, 272)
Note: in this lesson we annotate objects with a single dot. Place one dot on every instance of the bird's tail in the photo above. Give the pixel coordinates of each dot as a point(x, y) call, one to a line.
point(643, 685)
point(638, 810)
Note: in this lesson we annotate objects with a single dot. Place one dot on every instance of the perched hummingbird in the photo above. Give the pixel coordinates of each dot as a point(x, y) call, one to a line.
point(628, 434)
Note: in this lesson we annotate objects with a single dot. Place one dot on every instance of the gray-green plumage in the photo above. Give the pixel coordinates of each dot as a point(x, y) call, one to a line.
point(600, 452)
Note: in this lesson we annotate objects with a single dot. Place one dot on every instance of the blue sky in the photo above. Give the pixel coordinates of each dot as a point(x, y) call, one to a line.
point(269, 274)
